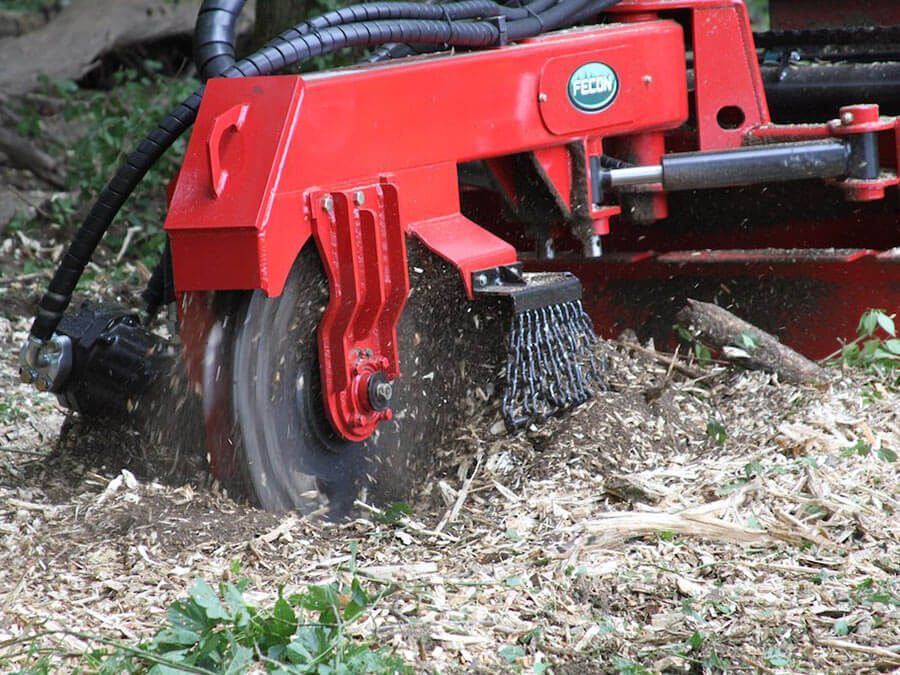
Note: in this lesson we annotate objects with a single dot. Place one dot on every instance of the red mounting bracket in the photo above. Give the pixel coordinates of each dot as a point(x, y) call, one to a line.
point(362, 246)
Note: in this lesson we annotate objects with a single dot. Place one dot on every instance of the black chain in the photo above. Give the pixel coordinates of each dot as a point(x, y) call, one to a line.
point(551, 364)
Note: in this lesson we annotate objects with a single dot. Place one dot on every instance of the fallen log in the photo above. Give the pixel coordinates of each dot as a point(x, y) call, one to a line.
point(70, 44)
point(22, 153)
point(745, 344)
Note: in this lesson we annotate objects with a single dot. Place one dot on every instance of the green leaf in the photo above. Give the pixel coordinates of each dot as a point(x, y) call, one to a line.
point(776, 657)
point(701, 351)
point(695, 642)
point(716, 431)
point(241, 658)
point(187, 616)
point(202, 594)
point(359, 601)
point(512, 653)
point(860, 448)
point(841, 627)
point(867, 323)
point(513, 582)
point(320, 598)
point(886, 455)
point(626, 667)
point(892, 346)
point(238, 610)
point(748, 341)
point(886, 323)
point(395, 513)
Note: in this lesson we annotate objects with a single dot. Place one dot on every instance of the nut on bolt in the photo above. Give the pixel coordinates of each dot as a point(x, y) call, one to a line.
point(380, 391)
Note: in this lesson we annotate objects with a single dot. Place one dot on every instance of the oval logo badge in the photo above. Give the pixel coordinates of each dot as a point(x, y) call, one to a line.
point(593, 87)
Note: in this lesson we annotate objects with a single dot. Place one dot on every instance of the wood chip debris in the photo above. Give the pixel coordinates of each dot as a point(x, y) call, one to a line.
point(625, 530)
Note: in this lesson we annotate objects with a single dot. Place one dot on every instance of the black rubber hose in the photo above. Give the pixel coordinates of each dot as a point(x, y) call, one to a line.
point(278, 54)
point(214, 36)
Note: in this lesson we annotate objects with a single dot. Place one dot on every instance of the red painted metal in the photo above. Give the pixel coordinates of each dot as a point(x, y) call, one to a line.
point(357, 127)
point(811, 299)
point(363, 249)
point(267, 152)
point(730, 98)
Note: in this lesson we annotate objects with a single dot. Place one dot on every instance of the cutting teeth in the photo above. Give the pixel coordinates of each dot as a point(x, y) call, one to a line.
point(551, 363)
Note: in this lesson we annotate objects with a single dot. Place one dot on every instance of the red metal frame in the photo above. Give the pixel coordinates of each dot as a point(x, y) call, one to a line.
point(360, 158)
point(361, 243)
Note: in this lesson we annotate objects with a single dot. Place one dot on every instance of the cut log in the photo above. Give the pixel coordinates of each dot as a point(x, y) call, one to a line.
point(69, 46)
point(745, 344)
point(22, 152)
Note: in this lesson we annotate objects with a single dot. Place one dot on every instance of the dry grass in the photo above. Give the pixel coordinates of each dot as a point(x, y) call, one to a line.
point(622, 534)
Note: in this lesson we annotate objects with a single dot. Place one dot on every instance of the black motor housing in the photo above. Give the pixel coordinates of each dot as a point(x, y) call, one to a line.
point(115, 362)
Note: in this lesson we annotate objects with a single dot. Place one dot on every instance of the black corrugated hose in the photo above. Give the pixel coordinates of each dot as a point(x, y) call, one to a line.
point(469, 23)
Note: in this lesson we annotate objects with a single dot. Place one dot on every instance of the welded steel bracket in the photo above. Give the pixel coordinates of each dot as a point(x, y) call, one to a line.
point(361, 243)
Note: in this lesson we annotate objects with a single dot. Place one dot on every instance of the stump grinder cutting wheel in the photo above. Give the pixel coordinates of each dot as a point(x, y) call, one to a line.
point(359, 254)
point(266, 422)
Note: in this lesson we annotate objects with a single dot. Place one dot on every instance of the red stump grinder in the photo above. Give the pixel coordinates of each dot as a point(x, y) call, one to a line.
point(352, 252)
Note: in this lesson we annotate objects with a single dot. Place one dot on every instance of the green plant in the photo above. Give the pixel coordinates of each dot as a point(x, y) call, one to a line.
point(876, 344)
point(217, 631)
point(114, 122)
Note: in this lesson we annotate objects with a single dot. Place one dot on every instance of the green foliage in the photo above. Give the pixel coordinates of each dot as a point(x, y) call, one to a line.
point(27, 5)
point(863, 449)
point(876, 345)
point(625, 666)
point(716, 431)
point(114, 122)
point(394, 513)
point(217, 631)
point(701, 351)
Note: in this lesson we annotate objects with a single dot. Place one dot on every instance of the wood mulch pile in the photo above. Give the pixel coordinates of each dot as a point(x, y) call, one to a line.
point(726, 521)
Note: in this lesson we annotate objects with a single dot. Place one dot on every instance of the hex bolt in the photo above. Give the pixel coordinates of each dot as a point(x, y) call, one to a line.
point(328, 203)
point(847, 118)
point(384, 390)
point(359, 198)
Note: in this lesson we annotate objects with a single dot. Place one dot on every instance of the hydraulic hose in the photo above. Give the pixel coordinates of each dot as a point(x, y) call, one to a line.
point(278, 54)
point(214, 36)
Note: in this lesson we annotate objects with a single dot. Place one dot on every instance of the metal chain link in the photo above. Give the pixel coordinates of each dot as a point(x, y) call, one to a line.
point(551, 363)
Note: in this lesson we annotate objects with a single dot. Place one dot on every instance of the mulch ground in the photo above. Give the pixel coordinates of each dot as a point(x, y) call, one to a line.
point(720, 522)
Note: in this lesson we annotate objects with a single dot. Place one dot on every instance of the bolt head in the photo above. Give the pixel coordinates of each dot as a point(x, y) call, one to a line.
point(648, 80)
point(481, 279)
point(542, 97)
point(384, 390)
point(328, 203)
point(27, 375)
point(847, 118)
point(359, 198)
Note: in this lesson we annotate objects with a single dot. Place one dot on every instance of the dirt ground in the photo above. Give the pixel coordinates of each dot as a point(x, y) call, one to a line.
point(721, 522)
